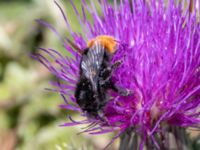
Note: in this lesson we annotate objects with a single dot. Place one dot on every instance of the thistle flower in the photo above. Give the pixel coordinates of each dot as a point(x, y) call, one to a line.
point(161, 66)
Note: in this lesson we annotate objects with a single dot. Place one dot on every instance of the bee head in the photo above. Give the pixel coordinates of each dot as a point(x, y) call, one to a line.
point(106, 41)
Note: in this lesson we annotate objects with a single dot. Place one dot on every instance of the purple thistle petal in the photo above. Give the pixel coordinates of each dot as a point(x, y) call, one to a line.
point(50, 27)
point(65, 18)
point(70, 107)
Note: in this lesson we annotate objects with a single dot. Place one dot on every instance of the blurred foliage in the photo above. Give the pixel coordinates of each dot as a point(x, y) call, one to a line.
point(29, 115)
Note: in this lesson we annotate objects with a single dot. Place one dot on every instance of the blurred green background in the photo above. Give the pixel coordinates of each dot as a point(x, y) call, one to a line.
point(29, 115)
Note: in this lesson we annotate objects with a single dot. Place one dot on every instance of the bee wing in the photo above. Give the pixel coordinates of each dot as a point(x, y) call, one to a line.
point(91, 63)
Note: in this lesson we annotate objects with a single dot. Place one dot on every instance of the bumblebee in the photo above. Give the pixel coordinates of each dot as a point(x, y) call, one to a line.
point(95, 76)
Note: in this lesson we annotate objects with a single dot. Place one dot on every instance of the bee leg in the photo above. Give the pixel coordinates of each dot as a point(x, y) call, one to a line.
point(104, 82)
point(122, 92)
point(106, 73)
point(102, 116)
point(105, 76)
point(116, 64)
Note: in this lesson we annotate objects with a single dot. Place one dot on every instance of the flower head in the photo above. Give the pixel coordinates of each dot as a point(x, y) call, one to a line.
point(160, 53)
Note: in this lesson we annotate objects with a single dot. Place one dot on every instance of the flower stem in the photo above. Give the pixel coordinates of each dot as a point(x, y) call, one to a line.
point(129, 141)
point(172, 138)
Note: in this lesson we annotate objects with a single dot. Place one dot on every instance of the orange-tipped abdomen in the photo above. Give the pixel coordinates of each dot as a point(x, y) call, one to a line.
point(107, 41)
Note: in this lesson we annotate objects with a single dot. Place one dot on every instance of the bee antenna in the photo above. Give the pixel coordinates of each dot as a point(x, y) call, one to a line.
point(74, 46)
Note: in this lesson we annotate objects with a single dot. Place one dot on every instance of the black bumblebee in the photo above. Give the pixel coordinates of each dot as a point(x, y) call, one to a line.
point(95, 76)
